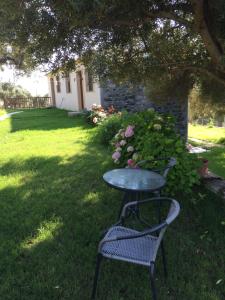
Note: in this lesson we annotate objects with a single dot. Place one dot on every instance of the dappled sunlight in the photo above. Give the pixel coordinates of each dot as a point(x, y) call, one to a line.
point(42, 120)
point(15, 180)
point(92, 197)
point(46, 232)
point(211, 134)
point(55, 205)
point(2, 111)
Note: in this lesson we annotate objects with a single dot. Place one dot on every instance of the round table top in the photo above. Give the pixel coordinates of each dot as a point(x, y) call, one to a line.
point(139, 180)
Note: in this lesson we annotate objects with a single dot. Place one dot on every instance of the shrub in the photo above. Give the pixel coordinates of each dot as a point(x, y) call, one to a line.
point(222, 141)
point(98, 114)
point(153, 136)
point(108, 128)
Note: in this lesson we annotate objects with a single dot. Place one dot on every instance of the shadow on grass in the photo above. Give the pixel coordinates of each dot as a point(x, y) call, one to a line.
point(53, 212)
point(51, 225)
point(44, 119)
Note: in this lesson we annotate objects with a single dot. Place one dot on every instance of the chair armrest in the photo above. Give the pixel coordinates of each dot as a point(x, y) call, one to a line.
point(141, 202)
point(173, 213)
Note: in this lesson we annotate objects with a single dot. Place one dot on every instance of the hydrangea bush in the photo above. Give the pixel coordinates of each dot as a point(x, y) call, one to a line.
point(98, 114)
point(124, 151)
point(149, 135)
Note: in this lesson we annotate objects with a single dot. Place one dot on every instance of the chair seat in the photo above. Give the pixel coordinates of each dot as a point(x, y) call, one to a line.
point(139, 250)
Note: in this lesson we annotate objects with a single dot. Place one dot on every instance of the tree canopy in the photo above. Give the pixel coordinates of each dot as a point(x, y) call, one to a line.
point(202, 107)
point(169, 43)
point(8, 89)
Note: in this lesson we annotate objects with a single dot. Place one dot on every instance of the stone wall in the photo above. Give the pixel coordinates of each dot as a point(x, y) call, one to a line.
point(133, 99)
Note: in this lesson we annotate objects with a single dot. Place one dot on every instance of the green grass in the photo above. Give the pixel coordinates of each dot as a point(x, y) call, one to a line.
point(214, 134)
point(54, 206)
point(216, 157)
point(2, 111)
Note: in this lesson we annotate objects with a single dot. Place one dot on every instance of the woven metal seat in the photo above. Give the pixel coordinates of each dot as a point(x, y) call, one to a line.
point(138, 251)
point(133, 246)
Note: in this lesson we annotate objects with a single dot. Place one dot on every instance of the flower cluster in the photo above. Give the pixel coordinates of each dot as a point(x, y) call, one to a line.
point(98, 114)
point(148, 135)
point(124, 151)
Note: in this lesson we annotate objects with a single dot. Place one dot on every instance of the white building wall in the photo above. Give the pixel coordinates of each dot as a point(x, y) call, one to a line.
point(69, 101)
point(91, 97)
point(64, 100)
point(49, 88)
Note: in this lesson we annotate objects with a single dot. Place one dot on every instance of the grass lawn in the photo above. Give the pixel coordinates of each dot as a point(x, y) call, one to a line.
point(214, 134)
point(216, 157)
point(54, 206)
point(2, 111)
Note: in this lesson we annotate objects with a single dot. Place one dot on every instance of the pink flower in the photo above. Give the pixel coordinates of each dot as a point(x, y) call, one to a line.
point(117, 145)
point(130, 162)
point(129, 131)
point(116, 155)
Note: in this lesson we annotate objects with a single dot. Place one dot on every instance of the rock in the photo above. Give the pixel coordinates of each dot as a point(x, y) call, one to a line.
point(74, 113)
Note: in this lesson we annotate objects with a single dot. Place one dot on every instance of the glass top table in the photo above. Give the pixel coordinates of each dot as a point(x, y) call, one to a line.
point(134, 180)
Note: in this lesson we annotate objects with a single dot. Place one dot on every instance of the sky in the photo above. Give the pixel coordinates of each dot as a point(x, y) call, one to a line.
point(36, 83)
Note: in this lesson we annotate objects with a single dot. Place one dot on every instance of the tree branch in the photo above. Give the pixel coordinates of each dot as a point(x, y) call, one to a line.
point(5, 59)
point(164, 14)
point(215, 74)
point(151, 15)
point(202, 28)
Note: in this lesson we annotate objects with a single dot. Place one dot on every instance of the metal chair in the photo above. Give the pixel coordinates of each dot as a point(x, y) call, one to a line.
point(137, 247)
point(164, 170)
point(171, 162)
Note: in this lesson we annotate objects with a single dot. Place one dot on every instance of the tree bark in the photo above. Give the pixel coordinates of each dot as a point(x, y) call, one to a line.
point(202, 28)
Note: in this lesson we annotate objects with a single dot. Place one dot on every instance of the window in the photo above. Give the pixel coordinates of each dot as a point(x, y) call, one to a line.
point(58, 84)
point(89, 81)
point(67, 81)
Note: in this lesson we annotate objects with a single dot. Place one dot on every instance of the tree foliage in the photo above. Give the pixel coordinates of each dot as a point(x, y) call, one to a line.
point(8, 89)
point(203, 107)
point(165, 42)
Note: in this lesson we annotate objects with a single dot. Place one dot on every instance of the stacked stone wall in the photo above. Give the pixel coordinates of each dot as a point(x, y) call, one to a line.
point(132, 98)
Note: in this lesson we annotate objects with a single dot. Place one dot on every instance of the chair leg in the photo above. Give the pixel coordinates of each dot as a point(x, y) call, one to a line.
point(164, 260)
point(98, 262)
point(152, 282)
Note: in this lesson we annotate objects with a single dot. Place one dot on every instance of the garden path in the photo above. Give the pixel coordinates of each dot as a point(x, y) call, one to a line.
point(205, 143)
point(2, 118)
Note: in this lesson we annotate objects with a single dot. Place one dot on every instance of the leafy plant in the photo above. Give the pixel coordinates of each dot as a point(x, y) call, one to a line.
point(154, 136)
point(98, 114)
point(108, 128)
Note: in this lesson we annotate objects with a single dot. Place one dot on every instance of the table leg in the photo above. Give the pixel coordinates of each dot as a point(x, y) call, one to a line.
point(124, 201)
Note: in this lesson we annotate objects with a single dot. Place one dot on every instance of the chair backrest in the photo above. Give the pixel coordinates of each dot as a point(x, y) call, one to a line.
point(172, 162)
point(174, 211)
